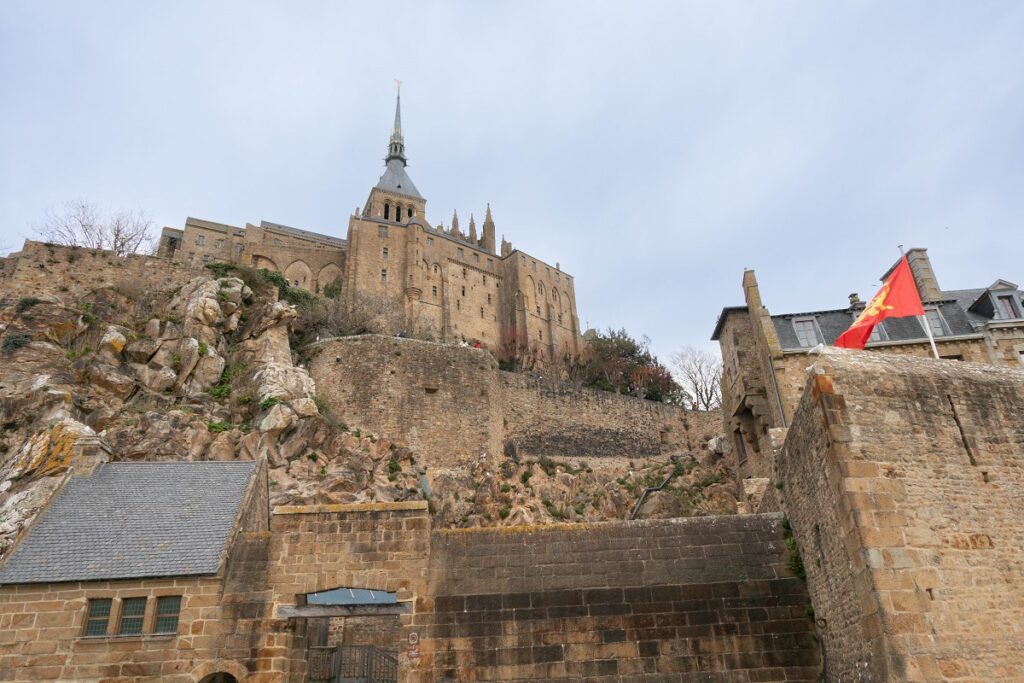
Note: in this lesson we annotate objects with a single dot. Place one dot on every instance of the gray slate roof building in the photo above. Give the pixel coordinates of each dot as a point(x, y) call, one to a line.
point(134, 520)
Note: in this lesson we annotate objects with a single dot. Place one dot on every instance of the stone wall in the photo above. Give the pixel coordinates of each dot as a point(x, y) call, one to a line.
point(450, 403)
point(42, 269)
point(902, 478)
point(707, 599)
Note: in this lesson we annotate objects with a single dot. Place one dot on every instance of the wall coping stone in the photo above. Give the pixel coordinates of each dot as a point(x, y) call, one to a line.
point(707, 520)
point(350, 507)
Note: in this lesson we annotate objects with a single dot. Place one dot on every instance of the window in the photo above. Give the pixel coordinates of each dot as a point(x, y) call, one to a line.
point(463, 273)
point(220, 244)
point(488, 298)
point(384, 275)
point(382, 231)
point(490, 264)
point(387, 210)
point(458, 304)
point(485, 279)
point(461, 252)
point(806, 332)
point(200, 240)
point(98, 616)
point(540, 333)
point(936, 322)
point(481, 311)
point(206, 259)
point(384, 253)
point(430, 241)
point(878, 334)
point(538, 310)
point(433, 290)
point(132, 612)
point(463, 290)
point(1006, 307)
point(533, 265)
point(167, 610)
point(476, 257)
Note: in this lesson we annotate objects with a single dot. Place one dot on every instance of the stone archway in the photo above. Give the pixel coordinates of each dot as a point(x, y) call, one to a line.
point(262, 262)
point(298, 274)
point(220, 671)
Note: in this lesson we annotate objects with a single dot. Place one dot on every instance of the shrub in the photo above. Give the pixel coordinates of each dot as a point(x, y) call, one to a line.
point(26, 303)
point(268, 403)
point(220, 390)
point(505, 511)
point(14, 341)
point(394, 467)
point(219, 426)
point(505, 488)
point(525, 477)
point(203, 348)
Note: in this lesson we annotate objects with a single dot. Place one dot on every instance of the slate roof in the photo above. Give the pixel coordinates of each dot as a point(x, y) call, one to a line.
point(307, 234)
point(395, 179)
point(134, 520)
point(834, 323)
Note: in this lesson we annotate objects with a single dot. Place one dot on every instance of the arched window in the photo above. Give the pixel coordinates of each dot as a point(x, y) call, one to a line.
point(436, 269)
point(387, 210)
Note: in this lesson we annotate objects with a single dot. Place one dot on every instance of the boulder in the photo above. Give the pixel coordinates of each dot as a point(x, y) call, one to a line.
point(285, 382)
point(112, 344)
point(142, 349)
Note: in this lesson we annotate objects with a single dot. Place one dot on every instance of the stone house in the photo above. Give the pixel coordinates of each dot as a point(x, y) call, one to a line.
point(765, 354)
point(429, 281)
point(122, 577)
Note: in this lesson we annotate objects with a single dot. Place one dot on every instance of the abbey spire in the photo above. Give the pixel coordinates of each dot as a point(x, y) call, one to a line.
point(396, 146)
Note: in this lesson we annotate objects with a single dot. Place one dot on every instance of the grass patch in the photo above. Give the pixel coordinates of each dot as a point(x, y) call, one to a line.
point(219, 426)
point(14, 341)
point(268, 403)
point(25, 303)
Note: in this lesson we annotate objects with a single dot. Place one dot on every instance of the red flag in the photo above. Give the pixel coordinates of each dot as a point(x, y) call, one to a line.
point(897, 298)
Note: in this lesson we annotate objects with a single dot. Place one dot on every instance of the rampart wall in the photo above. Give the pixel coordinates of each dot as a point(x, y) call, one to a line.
point(902, 479)
point(449, 403)
point(707, 599)
point(42, 269)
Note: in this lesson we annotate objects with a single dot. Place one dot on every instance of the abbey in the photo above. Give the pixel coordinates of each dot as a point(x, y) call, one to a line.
point(412, 277)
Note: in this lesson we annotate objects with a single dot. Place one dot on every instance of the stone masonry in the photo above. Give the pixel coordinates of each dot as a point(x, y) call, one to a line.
point(902, 478)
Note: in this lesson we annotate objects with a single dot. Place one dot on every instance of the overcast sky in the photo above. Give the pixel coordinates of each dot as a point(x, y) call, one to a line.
point(653, 149)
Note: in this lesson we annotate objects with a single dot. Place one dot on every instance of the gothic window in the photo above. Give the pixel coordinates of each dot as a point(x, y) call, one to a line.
point(384, 275)
point(382, 231)
point(540, 290)
point(387, 211)
point(384, 253)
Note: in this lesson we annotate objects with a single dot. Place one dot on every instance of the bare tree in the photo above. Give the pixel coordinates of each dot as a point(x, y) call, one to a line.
point(699, 373)
point(82, 224)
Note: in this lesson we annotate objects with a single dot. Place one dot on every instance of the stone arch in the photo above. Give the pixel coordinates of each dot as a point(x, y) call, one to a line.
point(215, 671)
point(264, 262)
point(327, 275)
point(300, 273)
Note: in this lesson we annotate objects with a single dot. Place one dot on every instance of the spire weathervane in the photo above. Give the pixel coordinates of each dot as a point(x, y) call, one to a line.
point(396, 146)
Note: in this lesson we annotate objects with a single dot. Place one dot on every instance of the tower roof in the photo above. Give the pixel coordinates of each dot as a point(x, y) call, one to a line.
point(395, 179)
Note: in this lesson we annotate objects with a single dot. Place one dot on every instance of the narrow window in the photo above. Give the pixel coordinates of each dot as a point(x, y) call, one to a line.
point(387, 210)
point(132, 612)
point(541, 333)
point(538, 310)
point(384, 275)
point(412, 212)
point(485, 279)
point(436, 269)
point(461, 252)
point(481, 311)
point(533, 265)
point(98, 616)
point(476, 257)
point(382, 231)
point(167, 610)
point(458, 304)
point(433, 290)
point(384, 253)
point(488, 298)
point(463, 273)
point(463, 290)
point(806, 332)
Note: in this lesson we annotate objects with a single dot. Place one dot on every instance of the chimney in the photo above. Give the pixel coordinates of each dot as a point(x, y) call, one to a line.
point(855, 303)
point(924, 276)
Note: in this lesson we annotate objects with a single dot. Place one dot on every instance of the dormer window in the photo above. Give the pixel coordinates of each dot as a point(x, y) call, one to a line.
point(807, 333)
point(1007, 306)
point(936, 322)
point(878, 334)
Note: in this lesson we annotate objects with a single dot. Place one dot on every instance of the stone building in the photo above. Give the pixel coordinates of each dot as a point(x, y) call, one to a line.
point(123, 576)
point(432, 282)
point(765, 354)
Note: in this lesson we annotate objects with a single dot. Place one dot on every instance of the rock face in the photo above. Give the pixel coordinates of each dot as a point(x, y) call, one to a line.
point(207, 372)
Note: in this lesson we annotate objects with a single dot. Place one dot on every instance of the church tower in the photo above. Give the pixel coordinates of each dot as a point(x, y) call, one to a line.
point(395, 197)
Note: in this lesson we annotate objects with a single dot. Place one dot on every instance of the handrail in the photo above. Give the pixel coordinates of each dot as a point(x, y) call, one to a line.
point(643, 496)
